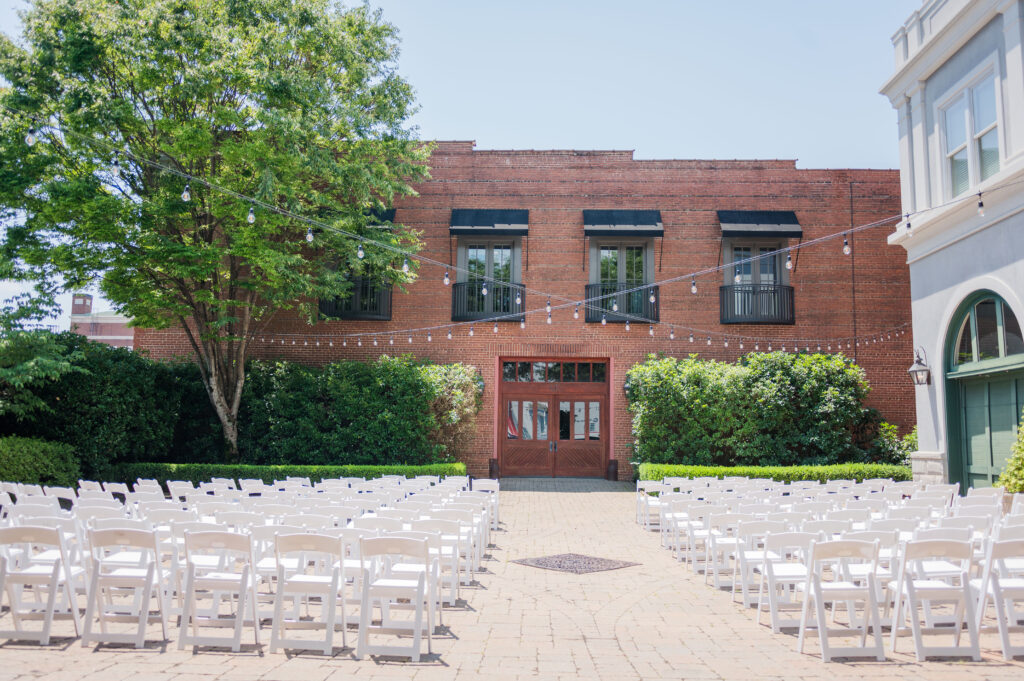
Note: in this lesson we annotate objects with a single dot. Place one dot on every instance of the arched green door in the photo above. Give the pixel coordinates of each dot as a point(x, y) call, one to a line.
point(985, 389)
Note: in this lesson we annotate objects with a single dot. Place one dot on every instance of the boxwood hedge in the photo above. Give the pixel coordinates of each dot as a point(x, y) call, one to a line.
point(845, 471)
point(29, 460)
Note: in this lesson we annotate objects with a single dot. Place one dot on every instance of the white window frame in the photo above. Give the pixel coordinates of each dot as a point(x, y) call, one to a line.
point(489, 242)
point(988, 68)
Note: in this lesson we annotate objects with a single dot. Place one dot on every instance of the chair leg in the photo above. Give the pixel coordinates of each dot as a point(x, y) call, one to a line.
point(276, 624)
point(91, 603)
point(364, 617)
point(187, 609)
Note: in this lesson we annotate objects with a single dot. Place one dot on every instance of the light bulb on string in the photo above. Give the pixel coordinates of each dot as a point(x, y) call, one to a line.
point(769, 347)
point(576, 312)
point(495, 327)
point(981, 206)
point(251, 219)
point(691, 337)
point(549, 317)
point(483, 289)
point(360, 253)
point(522, 323)
point(305, 342)
point(709, 340)
point(344, 343)
point(783, 347)
point(615, 306)
point(627, 325)
point(807, 348)
point(447, 280)
point(186, 195)
point(846, 246)
point(429, 337)
point(650, 330)
point(547, 307)
point(819, 347)
point(405, 265)
point(330, 343)
point(725, 342)
point(410, 340)
point(693, 286)
point(391, 340)
point(115, 168)
point(736, 278)
point(672, 333)
point(519, 298)
point(908, 223)
point(651, 297)
point(757, 347)
point(359, 342)
point(375, 341)
point(293, 341)
point(471, 331)
point(604, 319)
point(30, 137)
point(789, 261)
point(741, 344)
point(318, 342)
point(449, 334)
point(830, 347)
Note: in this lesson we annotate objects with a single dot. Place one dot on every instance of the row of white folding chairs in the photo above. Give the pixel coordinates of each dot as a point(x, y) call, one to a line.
point(382, 570)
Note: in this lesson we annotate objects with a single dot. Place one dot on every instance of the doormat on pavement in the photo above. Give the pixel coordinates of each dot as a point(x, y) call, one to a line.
point(575, 563)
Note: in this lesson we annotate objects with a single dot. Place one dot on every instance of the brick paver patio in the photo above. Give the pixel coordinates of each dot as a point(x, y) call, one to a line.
point(650, 621)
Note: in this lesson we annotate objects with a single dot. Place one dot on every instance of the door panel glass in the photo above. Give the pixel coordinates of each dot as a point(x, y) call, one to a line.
point(512, 427)
point(524, 371)
point(568, 372)
point(1014, 339)
point(609, 265)
point(597, 374)
point(1003, 416)
point(538, 371)
point(554, 372)
point(502, 267)
point(634, 265)
point(508, 371)
point(988, 329)
point(579, 421)
point(742, 268)
point(976, 424)
point(595, 421)
point(583, 372)
point(527, 420)
point(542, 420)
point(767, 267)
point(964, 348)
point(564, 421)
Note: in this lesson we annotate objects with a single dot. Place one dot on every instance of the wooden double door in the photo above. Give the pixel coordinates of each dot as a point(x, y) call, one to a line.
point(555, 418)
point(990, 409)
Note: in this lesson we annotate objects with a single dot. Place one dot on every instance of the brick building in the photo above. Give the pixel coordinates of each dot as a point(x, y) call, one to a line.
point(104, 327)
point(576, 225)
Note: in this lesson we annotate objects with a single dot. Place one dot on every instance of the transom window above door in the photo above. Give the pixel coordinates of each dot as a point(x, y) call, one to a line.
point(988, 332)
point(554, 372)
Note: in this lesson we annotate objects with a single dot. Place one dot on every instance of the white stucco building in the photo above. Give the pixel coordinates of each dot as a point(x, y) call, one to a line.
point(958, 88)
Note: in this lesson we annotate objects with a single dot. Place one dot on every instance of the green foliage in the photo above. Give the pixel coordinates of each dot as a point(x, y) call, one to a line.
point(846, 471)
point(393, 410)
point(28, 361)
point(683, 410)
point(294, 102)
point(889, 447)
point(38, 462)
point(197, 473)
point(117, 405)
point(1012, 477)
point(768, 409)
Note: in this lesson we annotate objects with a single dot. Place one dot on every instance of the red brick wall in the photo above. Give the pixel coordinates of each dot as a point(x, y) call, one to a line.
point(556, 186)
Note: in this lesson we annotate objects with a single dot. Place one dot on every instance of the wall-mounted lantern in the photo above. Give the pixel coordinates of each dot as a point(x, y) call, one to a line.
point(919, 370)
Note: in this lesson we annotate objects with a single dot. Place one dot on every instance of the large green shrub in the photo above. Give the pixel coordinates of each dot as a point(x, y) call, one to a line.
point(767, 409)
point(39, 462)
point(391, 411)
point(1012, 477)
point(847, 471)
point(201, 472)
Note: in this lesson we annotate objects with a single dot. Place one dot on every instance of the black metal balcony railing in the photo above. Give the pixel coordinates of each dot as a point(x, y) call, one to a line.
point(756, 304)
point(470, 304)
point(368, 300)
point(618, 305)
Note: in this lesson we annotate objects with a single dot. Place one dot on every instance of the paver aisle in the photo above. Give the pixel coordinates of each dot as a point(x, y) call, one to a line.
point(651, 621)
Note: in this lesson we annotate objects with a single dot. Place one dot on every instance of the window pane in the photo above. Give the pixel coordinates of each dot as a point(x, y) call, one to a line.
point(988, 330)
point(988, 154)
point(579, 421)
point(595, 421)
point(609, 265)
point(554, 372)
point(476, 261)
point(542, 420)
point(959, 178)
point(503, 263)
point(508, 371)
point(768, 268)
point(527, 420)
point(512, 427)
point(569, 372)
point(524, 371)
point(583, 372)
point(634, 265)
point(597, 372)
point(964, 349)
point(984, 104)
point(564, 421)
point(538, 371)
point(744, 269)
point(956, 124)
point(1014, 340)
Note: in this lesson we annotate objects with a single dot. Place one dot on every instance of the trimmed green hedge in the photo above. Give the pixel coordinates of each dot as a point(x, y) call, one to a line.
point(37, 462)
point(202, 472)
point(843, 471)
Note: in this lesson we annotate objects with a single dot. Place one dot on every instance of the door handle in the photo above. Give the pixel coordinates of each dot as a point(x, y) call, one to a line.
point(555, 444)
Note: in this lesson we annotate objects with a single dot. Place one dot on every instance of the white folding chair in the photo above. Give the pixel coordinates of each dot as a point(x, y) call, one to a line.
point(384, 589)
point(780, 576)
point(827, 583)
point(233, 576)
point(110, 581)
point(1005, 591)
point(52, 584)
point(319, 573)
point(751, 553)
point(913, 589)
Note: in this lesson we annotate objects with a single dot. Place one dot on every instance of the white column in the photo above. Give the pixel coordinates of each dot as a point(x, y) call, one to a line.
point(907, 169)
point(919, 147)
point(1013, 86)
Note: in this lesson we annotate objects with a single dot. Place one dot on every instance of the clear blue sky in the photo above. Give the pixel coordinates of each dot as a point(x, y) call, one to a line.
point(670, 79)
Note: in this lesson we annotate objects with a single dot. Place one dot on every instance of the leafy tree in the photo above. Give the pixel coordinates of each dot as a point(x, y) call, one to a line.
point(1012, 477)
point(293, 102)
point(28, 360)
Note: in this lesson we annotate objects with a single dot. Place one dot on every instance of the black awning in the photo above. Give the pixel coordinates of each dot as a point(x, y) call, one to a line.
point(478, 221)
point(622, 223)
point(755, 223)
point(378, 216)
